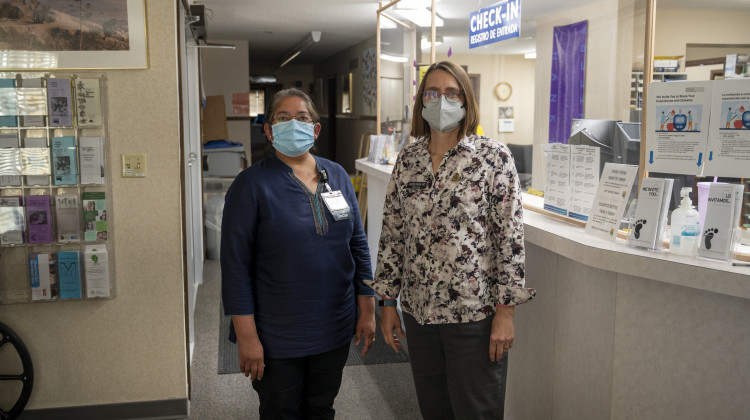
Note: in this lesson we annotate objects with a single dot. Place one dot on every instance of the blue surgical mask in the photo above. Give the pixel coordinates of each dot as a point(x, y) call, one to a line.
point(293, 138)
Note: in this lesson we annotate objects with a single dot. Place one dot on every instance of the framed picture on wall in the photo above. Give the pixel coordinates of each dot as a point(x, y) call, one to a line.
point(50, 34)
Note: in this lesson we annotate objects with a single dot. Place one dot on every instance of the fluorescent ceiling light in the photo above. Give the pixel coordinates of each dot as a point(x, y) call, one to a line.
point(530, 55)
point(297, 49)
point(413, 4)
point(420, 17)
point(291, 57)
point(426, 44)
point(394, 58)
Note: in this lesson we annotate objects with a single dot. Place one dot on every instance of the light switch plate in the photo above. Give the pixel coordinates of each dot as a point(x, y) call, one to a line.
point(133, 166)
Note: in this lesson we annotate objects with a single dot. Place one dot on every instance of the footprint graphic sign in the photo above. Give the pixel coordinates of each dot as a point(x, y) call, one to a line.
point(650, 218)
point(722, 212)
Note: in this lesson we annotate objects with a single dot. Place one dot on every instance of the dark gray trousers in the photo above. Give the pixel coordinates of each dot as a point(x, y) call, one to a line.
point(453, 374)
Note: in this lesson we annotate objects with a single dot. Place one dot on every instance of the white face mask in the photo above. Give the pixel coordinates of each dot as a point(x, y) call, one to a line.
point(443, 114)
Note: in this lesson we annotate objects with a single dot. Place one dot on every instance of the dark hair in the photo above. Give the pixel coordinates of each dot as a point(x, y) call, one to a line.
point(287, 93)
point(420, 127)
point(274, 104)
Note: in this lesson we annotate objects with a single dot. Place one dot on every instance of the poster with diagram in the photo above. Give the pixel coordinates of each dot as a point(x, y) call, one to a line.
point(677, 134)
point(729, 134)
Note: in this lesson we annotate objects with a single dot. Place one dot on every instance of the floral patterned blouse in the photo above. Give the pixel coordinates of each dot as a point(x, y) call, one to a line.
point(452, 241)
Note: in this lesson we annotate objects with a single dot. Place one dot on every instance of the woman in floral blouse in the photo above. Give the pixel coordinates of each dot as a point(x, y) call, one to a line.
point(452, 249)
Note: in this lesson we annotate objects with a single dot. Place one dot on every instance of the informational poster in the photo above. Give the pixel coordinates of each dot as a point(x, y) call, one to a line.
point(505, 120)
point(557, 188)
point(678, 136)
point(584, 180)
point(241, 103)
point(729, 133)
point(610, 200)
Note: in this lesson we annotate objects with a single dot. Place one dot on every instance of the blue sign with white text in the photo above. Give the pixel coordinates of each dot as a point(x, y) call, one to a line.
point(495, 23)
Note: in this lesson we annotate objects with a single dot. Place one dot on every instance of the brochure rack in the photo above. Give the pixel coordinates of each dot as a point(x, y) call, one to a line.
point(64, 250)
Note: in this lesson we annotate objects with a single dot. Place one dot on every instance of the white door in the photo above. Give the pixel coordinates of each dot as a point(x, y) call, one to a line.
point(193, 204)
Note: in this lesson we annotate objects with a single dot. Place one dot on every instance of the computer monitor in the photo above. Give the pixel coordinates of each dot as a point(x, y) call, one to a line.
point(598, 133)
point(602, 130)
point(627, 143)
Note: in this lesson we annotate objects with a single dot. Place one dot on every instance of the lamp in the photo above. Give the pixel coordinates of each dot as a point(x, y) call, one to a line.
point(297, 49)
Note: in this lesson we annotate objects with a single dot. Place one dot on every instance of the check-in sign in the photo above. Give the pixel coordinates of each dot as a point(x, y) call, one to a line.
point(495, 23)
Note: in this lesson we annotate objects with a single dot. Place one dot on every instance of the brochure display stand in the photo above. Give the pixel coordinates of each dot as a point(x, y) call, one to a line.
point(56, 239)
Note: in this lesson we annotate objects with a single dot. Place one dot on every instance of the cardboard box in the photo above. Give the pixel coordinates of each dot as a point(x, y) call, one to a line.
point(214, 120)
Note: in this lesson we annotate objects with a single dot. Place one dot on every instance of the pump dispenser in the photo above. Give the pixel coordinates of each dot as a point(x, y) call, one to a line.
point(685, 226)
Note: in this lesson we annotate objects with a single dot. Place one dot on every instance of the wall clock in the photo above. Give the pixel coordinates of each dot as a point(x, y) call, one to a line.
point(503, 90)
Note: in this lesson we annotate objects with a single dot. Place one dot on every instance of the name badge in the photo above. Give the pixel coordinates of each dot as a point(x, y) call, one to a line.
point(337, 205)
point(416, 185)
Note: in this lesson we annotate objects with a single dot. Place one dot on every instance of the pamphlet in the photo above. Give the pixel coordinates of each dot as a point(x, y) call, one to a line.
point(10, 160)
point(611, 200)
point(58, 100)
point(88, 105)
point(94, 216)
point(92, 160)
point(69, 263)
point(68, 212)
point(651, 213)
point(43, 276)
point(40, 219)
point(35, 161)
point(32, 102)
point(584, 180)
point(557, 188)
point(722, 214)
point(8, 103)
point(96, 268)
point(11, 221)
point(64, 158)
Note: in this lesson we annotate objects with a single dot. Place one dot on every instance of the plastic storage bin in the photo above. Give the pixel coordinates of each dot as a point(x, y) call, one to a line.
point(212, 222)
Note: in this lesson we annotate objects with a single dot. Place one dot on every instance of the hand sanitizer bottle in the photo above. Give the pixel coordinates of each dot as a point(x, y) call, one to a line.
point(685, 226)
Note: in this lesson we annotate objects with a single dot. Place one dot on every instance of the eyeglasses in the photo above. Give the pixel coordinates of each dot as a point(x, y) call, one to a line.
point(450, 94)
point(303, 118)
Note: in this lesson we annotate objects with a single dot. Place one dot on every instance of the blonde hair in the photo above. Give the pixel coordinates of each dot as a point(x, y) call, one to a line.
point(420, 127)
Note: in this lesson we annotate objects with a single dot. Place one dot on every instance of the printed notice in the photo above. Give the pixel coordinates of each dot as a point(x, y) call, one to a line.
point(610, 200)
point(557, 186)
point(729, 134)
point(678, 137)
point(584, 180)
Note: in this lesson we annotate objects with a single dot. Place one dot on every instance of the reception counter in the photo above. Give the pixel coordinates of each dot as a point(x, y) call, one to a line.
point(618, 332)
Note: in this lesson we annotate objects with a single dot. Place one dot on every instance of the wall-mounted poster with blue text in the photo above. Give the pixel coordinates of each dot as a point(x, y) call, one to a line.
point(495, 23)
point(568, 79)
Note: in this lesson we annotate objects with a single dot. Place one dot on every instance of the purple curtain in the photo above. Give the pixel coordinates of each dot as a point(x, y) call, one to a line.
point(568, 79)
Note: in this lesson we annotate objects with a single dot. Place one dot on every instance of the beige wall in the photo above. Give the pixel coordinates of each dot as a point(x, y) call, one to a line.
point(517, 71)
point(130, 348)
point(676, 28)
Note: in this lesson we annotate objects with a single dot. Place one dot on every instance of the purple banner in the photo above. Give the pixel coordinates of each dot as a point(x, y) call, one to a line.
point(568, 79)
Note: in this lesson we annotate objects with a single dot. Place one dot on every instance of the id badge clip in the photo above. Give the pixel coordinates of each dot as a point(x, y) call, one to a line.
point(336, 203)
